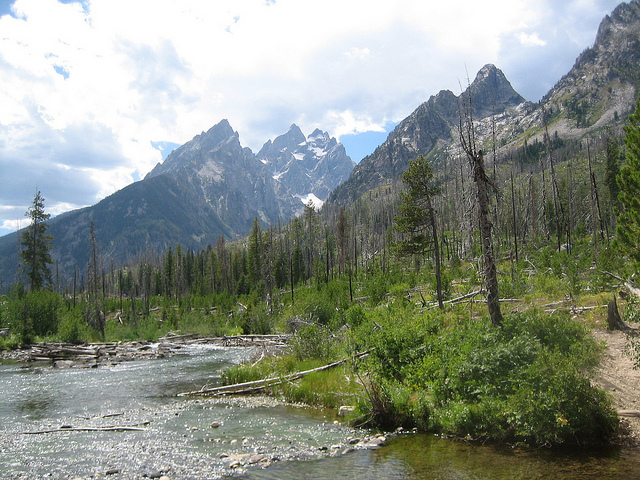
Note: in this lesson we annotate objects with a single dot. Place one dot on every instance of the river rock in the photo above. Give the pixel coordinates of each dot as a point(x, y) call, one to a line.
point(374, 442)
point(112, 471)
point(216, 424)
point(253, 459)
point(239, 457)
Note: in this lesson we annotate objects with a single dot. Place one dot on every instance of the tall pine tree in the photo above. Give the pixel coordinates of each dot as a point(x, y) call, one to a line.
point(628, 227)
point(36, 246)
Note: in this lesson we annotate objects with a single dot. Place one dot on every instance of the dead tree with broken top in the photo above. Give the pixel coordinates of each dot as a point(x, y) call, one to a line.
point(483, 183)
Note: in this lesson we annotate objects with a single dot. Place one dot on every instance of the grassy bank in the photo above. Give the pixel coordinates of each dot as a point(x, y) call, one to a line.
point(453, 374)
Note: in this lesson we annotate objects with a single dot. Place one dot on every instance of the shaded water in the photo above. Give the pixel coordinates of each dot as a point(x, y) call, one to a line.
point(176, 433)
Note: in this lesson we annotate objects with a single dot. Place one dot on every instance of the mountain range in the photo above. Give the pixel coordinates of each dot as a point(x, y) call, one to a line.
point(212, 186)
point(600, 90)
point(208, 187)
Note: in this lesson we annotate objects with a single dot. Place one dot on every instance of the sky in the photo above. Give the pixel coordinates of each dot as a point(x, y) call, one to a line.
point(94, 93)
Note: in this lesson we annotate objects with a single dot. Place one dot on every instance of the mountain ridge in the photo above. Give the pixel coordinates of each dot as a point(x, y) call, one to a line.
point(600, 89)
point(211, 186)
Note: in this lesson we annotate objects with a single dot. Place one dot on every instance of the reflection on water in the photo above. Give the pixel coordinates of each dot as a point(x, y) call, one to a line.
point(177, 432)
point(427, 457)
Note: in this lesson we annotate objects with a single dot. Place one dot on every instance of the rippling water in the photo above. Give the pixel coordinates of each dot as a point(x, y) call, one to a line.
point(176, 434)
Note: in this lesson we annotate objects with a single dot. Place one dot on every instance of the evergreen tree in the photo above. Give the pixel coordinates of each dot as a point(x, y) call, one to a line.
point(417, 217)
point(628, 228)
point(36, 246)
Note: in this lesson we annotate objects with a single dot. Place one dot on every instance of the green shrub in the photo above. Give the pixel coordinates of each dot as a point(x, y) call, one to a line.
point(313, 342)
point(33, 313)
point(525, 382)
point(73, 330)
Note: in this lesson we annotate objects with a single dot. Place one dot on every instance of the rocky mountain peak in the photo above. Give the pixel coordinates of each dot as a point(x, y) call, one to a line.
point(491, 92)
point(624, 15)
point(305, 165)
point(219, 133)
point(190, 152)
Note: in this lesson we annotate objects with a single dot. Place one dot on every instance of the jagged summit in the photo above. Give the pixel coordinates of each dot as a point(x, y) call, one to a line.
point(621, 18)
point(492, 93)
point(209, 140)
point(431, 127)
point(306, 165)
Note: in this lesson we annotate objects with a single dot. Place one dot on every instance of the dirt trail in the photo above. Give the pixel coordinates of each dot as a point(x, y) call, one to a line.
point(617, 376)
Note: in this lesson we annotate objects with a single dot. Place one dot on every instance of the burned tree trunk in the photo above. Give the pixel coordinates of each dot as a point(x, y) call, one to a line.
point(613, 317)
point(476, 160)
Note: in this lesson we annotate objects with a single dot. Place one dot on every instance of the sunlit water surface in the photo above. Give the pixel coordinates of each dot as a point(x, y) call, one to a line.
point(175, 433)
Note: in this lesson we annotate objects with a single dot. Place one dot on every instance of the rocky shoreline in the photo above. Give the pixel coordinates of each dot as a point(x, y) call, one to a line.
point(66, 355)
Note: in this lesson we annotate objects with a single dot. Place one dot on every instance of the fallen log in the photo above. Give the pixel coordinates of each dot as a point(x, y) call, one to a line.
point(458, 299)
point(258, 385)
point(629, 413)
point(114, 428)
point(632, 289)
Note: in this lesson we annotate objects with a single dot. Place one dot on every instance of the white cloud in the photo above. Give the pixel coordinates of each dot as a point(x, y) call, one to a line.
point(86, 88)
point(531, 39)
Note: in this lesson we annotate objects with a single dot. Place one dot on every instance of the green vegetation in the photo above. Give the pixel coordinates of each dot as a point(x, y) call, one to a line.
point(628, 229)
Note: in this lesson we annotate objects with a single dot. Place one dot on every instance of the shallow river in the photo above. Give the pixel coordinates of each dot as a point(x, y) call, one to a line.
point(174, 434)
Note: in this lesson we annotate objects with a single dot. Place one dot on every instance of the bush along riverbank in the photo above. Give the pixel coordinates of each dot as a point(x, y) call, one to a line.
point(453, 374)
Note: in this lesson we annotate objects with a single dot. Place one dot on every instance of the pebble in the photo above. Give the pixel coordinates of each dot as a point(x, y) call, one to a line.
point(112, 471)
point(253, 459)
point(216, 424)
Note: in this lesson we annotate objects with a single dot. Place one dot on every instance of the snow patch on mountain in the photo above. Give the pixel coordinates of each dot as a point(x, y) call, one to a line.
point(310, 197)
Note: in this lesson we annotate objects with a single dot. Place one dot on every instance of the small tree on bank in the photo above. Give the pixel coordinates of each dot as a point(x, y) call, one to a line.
point(36, 246)
point(417, 217)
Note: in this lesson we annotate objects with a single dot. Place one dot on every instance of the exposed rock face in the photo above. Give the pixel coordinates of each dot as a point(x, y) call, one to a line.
point(302, 167)
point(222, 180)
point(600, 90)
point(431, 127)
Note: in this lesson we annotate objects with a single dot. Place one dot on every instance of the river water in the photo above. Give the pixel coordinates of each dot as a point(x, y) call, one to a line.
point(175, 434)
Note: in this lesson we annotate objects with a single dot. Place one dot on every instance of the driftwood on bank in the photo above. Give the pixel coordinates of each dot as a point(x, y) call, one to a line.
point(111, 428)
point(259, 385)
point(92, 355)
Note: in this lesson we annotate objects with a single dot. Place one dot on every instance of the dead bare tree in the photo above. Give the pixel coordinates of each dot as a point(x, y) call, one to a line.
point(476, 160)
